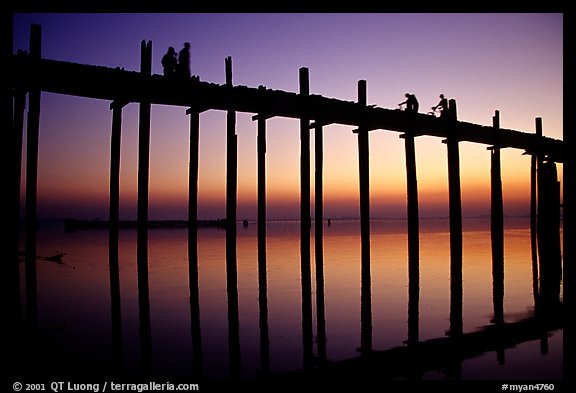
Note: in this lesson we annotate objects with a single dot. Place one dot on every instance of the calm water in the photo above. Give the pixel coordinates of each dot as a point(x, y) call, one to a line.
point(74, 302)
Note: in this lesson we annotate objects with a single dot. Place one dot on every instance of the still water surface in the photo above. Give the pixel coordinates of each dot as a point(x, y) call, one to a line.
point(74, 301)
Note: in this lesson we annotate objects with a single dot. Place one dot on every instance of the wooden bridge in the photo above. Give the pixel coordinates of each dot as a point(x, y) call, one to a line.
point(31, 74)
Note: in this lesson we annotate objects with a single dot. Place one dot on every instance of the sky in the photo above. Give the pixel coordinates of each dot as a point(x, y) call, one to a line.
point(486, 62)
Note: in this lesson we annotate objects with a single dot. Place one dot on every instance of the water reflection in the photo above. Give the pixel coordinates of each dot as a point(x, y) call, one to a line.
point(232, 292)
point(144, 302)
point(194, 303)
point(306, 282)
point(263, 300)
point(320, 306)
point(269, 294)
point(115, 305)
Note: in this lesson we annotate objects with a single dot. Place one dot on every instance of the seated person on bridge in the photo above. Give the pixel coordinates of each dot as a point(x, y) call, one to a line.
point(442, 106)
point(411, 103)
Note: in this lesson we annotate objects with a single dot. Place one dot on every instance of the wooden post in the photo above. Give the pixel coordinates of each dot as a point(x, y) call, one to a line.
point(535, 161)
point(262, 268)
point(194, 114)
point(307, 336)
point(497, 229)
point(113, 259)
point(144, 140)
point(261, 152)
point(318, 240)
point(32, 135)
point(231, 158)
point(193, 173)
point(549, 233)
point(455, 224)
point(115, 140)
point(413, 233)
point(231, 265)
point(142, 235)
point(10, 113)
point(12, 273)
point(364, 179)
point(318, 178)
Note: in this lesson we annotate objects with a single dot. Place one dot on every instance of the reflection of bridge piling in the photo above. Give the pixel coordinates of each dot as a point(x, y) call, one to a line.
point(32, 74)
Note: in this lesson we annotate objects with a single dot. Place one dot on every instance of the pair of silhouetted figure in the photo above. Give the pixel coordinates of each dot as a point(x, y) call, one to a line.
point(177, 67)
point(412, 105)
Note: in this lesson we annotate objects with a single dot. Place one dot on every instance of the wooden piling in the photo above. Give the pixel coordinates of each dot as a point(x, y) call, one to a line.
point(194, 114)
point(193, 172)
point(262, 264)
point(413, 233)
point(231, 262)
point(142, 232)
point(319, 240)
point(144, 140)
point(113, 259)
point(535, 161)
point(231, 158)
point(115, 140)
point(9, 115)
point(12, 273)
point(364, 179)
point(261, 152)
point(32, 135)
point(318, 177)
point(497, 228)
point(263, 299)
point(549, 233)
point(305, 271)
point(455, 223)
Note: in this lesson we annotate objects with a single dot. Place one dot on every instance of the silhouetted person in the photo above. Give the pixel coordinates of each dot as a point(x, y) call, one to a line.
point(411, 103)
point(442, 106)
point(170, 62)
point(184, 61)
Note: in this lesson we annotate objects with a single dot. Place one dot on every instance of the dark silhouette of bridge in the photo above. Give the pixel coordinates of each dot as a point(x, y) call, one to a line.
point(32, 74)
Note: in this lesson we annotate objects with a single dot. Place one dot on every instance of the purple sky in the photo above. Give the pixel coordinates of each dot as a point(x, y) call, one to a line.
point(509, 62)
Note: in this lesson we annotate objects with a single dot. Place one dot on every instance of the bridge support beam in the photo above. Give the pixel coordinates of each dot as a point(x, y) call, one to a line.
point(113, 262)
point(497, 228)
point(115, 140)
point(231, 263)
point(142, 235)
point(193, 173)
point(194, 114)
point(12, 272)
point(455, 224)
point(319, 240)
point(536, 160)
point(32, 135)
point(413, 234)
point(549, 233)
point(364, 180)
point(262, 264)
point(307, 336)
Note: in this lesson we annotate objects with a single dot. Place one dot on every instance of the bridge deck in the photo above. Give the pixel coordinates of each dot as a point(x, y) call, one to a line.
point(129, 86)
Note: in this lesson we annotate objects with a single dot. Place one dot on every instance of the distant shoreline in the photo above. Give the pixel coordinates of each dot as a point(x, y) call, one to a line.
point(81, 224)
point(76, 224)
